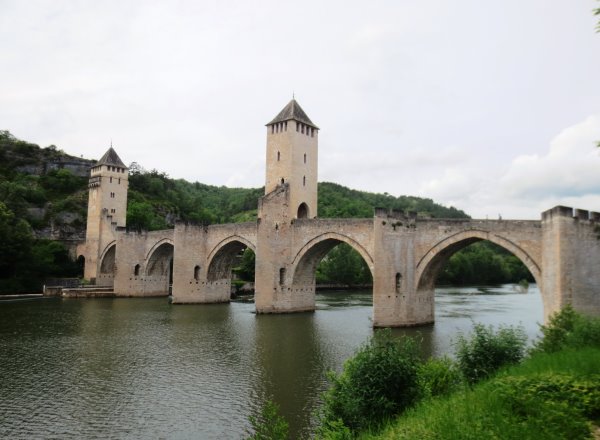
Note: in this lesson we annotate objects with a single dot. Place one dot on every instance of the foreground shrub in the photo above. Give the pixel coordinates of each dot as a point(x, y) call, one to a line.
point(269, 424)
point(551, 400)
point(568, 329)
point(438, 377)
point(487, 351)
point(380, 381)
point(548, 396)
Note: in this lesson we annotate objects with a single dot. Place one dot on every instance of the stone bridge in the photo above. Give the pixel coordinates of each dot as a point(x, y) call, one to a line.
point(404, 253)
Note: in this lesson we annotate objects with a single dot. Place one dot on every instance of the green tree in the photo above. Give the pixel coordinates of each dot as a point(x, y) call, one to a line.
point(141, 216)
point(483, 263)
point(16, 238)
point(245, 270)
point(378, 382)
point(343, 265)
point(487, 350)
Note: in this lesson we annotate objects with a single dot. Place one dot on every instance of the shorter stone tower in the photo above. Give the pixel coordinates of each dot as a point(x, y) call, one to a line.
point(107, 209)
point(292, 149)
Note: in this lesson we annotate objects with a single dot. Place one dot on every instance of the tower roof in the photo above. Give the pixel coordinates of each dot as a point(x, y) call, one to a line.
point(295, 112)
point(111, 158)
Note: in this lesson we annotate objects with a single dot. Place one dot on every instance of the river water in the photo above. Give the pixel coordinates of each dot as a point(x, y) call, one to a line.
point(141, 368)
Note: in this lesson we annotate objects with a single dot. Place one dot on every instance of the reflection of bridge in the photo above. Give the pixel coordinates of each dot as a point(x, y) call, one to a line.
point(403, 252)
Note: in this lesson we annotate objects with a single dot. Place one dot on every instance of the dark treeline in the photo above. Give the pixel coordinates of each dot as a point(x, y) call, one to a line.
point(39, 194)
point(484, 263)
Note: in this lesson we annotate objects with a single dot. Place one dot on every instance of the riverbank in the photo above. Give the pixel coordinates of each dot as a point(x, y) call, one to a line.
point(555, 395)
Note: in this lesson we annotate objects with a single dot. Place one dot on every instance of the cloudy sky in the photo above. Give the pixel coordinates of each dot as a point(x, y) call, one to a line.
point(490, 107)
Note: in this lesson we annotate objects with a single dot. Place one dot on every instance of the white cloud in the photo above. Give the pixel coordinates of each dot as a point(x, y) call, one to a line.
point(567, 174)
point(432, 99)
point(570, 169)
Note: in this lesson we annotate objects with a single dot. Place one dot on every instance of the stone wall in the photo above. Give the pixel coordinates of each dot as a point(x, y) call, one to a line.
point(571, 259)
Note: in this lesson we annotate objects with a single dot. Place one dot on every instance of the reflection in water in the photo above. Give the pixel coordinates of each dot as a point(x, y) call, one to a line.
point(141, 368)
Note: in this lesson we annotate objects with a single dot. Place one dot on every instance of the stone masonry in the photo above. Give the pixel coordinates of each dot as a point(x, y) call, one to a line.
point(404, 253)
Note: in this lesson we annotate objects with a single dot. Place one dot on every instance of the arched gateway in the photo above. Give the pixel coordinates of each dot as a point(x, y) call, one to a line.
point(404, 253)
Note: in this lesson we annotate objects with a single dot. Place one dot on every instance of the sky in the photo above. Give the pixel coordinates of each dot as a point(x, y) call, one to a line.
point(493, 108)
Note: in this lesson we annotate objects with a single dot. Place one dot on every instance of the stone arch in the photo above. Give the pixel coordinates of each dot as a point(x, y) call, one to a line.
point(434, 260)
point(221, 258)
point(303, 211)
point(160, 259)
point(108, 258)
point(80, 261)
point(306, 260)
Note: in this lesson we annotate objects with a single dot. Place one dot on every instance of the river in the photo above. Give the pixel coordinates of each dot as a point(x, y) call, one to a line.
point(141, 368)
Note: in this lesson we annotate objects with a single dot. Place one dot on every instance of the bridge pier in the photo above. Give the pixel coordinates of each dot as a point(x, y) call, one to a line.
point(571, 260)
point(396, 301)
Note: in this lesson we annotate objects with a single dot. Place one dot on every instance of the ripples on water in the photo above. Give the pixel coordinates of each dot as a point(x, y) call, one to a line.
point(141, 368)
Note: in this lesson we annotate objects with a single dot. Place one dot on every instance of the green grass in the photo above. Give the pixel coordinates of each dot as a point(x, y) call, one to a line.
point(548, 396)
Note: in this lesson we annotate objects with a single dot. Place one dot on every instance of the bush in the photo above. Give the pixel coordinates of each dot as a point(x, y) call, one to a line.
point(568, 329)
point(269, 424)
point(380, 381)
point(487, 351)
point(551, 400)
point(438, 377)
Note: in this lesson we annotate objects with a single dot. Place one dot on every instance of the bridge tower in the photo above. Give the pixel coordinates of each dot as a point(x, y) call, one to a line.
point(107, 209)
point(292, 149)
point(290, 196)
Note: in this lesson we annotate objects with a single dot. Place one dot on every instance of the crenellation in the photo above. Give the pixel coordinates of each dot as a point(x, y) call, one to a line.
point(581, 214)
point(381, 212)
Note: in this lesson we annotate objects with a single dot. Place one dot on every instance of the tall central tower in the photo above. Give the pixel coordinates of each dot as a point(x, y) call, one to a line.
point(292, 149)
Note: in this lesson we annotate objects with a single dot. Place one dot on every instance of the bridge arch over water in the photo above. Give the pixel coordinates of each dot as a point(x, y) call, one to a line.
point(222, 257)
point(310, 255)
point(430, 265)
point(108, 265)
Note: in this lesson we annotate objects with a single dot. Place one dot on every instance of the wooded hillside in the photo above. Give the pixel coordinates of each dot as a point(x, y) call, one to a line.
point(43, 209)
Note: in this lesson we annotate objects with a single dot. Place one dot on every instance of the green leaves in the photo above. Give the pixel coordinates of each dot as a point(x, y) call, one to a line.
point(483, 263)
point(568, 329)
point(337, 201)
point(141, 216)
point(269, 424)
point(486, 351)
point(24, 261)
point(380, 381)
point(551, 400)
point(343, 265)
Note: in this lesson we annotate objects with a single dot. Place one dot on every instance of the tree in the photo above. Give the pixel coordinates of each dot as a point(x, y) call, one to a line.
point(141, 216)
point(343, 265)
point(246, 268)
point(16, 238)
point(380, 381)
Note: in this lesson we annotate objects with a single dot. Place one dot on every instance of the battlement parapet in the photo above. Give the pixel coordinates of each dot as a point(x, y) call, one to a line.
point(396, 214)
point(566, 211)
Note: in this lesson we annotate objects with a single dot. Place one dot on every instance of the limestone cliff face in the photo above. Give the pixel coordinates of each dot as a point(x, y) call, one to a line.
point(45, 186)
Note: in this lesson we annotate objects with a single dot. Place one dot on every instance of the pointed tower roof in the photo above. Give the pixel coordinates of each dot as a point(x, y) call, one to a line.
point(111, 158)
point(295, 112)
